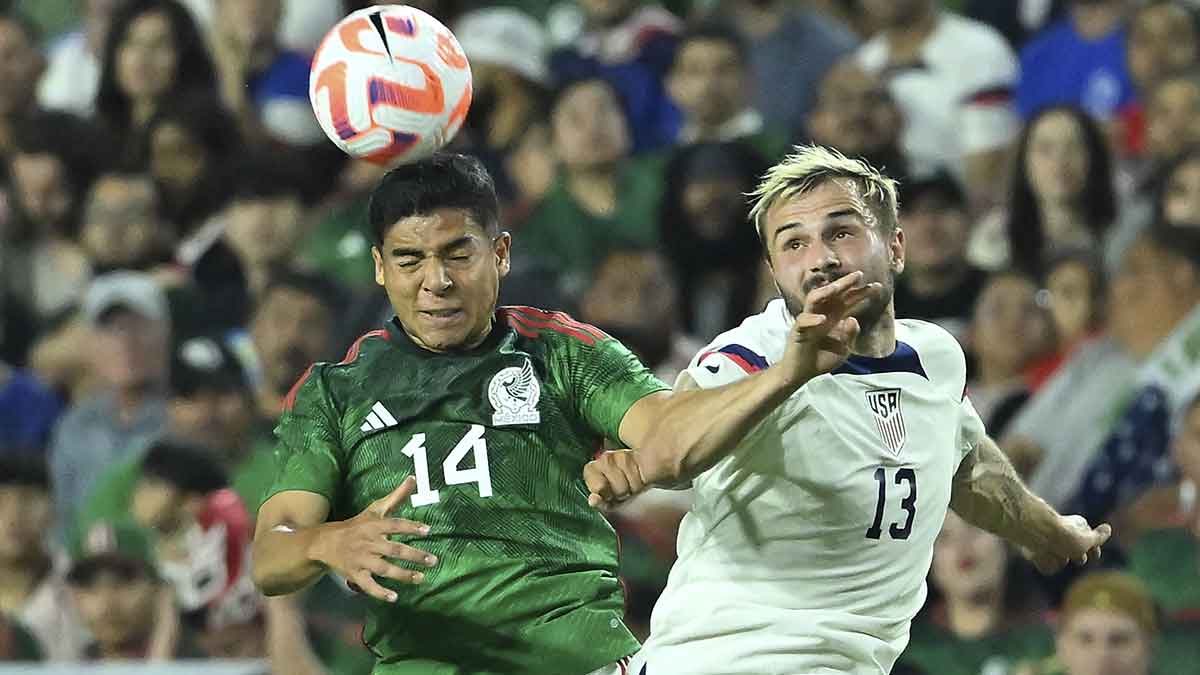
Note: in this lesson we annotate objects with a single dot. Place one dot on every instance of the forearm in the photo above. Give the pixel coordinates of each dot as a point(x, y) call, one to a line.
point(288, 647)
point(286, 560)
point(696, 427)
point(988, 493)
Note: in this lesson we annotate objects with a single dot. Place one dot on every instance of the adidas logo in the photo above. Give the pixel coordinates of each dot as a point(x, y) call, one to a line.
point(379, 418)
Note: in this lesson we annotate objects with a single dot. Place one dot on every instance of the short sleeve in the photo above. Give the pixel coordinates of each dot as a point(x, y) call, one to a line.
point(987, 117)
point(971, 429)
point(308, 453)
point(607, 379)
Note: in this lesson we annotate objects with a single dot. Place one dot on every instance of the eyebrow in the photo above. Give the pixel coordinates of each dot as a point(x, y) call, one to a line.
point(417, 253)
point(829, 216)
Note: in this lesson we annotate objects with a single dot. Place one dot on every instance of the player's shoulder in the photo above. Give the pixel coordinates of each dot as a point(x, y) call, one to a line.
point(753, 344)
point(940, 353)
point(325, 380)
point(554, 328)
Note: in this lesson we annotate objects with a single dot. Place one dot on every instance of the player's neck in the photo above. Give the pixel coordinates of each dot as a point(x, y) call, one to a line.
point(974, 617)
point(877, 340)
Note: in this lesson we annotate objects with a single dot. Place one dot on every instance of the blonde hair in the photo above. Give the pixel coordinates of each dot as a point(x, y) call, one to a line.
point(811, 165)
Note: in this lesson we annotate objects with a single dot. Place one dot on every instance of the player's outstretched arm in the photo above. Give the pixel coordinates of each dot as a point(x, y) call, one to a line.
point(294, 545)
point(989, 494)
point(678, 435)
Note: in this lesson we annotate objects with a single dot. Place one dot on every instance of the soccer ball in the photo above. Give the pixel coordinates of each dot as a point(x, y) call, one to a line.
point(390, 85)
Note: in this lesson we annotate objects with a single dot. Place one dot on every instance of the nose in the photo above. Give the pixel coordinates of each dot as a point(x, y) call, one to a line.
point(436, 280)
point(822, 258)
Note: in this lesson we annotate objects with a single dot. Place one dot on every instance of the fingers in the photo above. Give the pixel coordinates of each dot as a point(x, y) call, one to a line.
point(1102, 533)
point(387, 570)
point(365, 583)
point(613, 477)
point(397, 551)
point(819, 296)
point(388, 526)
point(382, 507)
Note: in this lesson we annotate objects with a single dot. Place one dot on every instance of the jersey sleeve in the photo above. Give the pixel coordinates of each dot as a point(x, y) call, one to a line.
point(722, 364)
point(308, 453)
point(606, 379)
point(971, 429)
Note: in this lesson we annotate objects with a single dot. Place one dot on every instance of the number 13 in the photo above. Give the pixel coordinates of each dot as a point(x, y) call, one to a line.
point(909, 504)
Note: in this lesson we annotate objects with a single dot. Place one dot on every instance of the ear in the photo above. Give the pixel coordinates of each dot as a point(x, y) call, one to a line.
point(896, 251)
point(378, 258)
point(503, 250)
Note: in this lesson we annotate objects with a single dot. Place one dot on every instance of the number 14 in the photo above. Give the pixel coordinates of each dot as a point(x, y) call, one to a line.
point(472, 442)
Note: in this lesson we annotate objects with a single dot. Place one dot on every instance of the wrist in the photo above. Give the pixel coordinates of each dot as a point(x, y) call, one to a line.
point(315, 546)
point(785, 380)
point(1042, 524)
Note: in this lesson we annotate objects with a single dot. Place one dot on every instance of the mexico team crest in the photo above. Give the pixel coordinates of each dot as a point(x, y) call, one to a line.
point(885, 406)
point(514, 394)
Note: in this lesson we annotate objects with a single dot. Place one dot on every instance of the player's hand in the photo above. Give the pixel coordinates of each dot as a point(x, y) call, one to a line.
point(360, 549)
point(612, 478)
point(1072, 540)
point(823, 334)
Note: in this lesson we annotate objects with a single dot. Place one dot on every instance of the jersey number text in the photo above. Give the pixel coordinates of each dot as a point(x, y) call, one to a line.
point(473, 442)
point(909, 504)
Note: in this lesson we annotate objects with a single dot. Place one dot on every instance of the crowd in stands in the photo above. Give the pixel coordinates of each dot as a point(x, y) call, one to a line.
point(179, 241)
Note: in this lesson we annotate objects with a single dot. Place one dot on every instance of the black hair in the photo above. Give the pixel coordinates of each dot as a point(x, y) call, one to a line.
point(317, 286)
point(258, 176)
point(445, 180)
point(714, 31)
point(1024, 227)
point(193, 69)
point(941, 183)
point(186, 468)
point(204, 119)
point(568, 84)
point(16, 470)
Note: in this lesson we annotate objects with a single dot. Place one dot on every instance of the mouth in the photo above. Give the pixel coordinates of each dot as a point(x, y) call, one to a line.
point(438, 316)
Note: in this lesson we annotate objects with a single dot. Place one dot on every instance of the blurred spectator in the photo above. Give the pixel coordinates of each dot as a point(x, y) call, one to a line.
point(1164, 272)
point(1079, 61)
point(1177, 194)
point(192, 140)
point(1062, 194)
point(22, 64)
point(1164, 40)
point(711, 81)
point(601, 199)
point(263, 219)
point(28, 412)
point(129, 350)
point(1161, 531)
point(292, 327)
point(1061, 431)
point(72, 75)
point(32, 587)
point(17, 643)
point(984, 623)
point(716, 256)
point(212, 408)
point(51, 166)
point(1107, 626)
point(790, 50)
point(630, 45)
point(855, 113)
point(125, 605)
point(634, 299)
point(264, 85)
point(510, 75)
point(154, 53)
point(304, 24)
point(1008, 332)
point(939, 284)
point(1075, 290)
point(953, 79)
point(122, 226)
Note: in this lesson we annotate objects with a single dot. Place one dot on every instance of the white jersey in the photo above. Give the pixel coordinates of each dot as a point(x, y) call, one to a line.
point(806, 550)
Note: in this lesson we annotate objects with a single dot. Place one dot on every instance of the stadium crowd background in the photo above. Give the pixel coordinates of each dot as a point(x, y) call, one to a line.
point(178, 242)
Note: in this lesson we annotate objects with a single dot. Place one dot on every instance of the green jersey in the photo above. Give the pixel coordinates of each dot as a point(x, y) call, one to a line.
point(497, 438)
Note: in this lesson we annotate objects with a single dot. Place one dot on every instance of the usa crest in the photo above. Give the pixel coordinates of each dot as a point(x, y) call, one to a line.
point(889, 420)
point(514, 393)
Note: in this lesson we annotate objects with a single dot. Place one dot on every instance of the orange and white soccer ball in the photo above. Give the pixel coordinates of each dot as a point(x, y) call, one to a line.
point(390, 85)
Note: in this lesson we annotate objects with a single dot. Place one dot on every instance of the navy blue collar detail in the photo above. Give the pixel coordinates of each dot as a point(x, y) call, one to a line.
point(903, 360)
